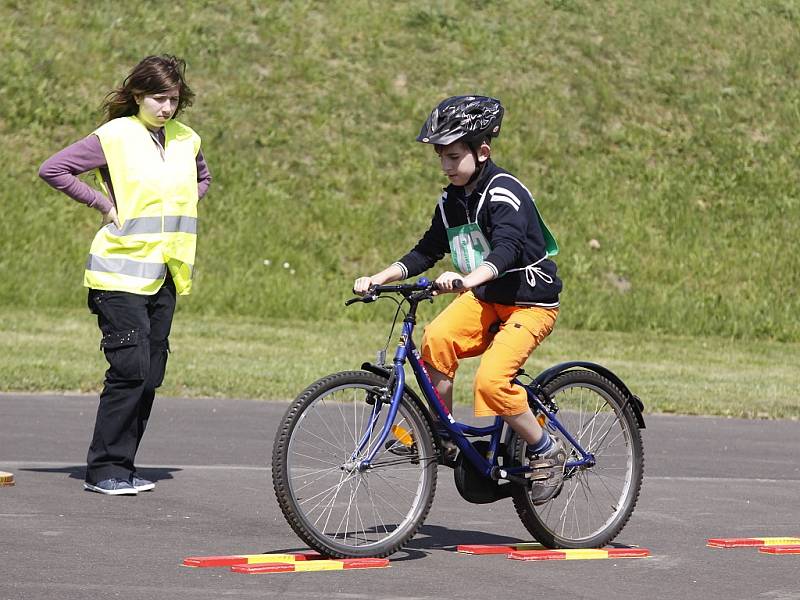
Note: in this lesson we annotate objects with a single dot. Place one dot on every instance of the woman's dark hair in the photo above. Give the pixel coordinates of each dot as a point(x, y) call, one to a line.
point(153, 75)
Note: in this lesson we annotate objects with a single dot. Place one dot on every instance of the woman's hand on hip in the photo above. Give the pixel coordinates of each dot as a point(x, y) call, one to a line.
point(111, 217)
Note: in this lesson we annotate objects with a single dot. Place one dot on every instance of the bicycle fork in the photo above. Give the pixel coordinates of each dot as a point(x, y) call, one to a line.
point(396, 384)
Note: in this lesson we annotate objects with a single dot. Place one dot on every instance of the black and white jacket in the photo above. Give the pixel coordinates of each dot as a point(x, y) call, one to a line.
point(508, 218)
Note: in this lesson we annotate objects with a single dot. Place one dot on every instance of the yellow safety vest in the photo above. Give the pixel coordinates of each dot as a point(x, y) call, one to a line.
point(156, 198)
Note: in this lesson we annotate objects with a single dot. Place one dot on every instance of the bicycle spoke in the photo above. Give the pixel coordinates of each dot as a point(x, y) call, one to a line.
point(322, 474)
point(339, 502)
point(595, 499)
point(321, 419)
point(395, 487)
point(332, 490)
point(317, 459)
point(376, 514)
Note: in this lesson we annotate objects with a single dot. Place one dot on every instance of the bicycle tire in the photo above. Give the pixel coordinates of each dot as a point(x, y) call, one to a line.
point(334, 508)
point(595, 502)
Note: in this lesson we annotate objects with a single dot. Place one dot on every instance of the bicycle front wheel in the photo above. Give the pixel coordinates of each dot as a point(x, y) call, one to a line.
point(596, 501)
point(334, 506)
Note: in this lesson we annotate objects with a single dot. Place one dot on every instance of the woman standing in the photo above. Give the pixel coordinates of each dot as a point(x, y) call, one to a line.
point(152, 173)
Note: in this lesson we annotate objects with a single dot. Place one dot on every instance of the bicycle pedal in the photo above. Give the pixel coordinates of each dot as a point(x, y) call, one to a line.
point(545, 463)
point(538, 475)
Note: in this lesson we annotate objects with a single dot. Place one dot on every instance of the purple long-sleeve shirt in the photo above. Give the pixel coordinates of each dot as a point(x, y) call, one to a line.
point(62, 169)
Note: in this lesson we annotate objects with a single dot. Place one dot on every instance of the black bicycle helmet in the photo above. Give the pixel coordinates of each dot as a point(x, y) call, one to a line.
point(462, 118)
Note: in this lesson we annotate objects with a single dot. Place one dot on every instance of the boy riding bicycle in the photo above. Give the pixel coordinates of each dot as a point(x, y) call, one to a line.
point(488, 222)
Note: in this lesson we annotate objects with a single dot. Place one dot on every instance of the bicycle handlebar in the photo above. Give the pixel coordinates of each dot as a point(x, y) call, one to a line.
point(423, 285)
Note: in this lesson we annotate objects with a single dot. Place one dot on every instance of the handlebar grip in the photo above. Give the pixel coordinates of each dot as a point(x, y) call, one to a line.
point(457, 285)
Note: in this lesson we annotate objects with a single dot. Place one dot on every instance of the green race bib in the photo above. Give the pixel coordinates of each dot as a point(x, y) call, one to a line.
point(468, 247)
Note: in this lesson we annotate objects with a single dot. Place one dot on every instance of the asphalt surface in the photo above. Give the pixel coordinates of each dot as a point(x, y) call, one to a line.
point(704, 478)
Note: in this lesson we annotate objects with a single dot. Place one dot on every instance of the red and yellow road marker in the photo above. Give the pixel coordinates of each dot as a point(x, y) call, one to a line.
point(579, 554)
point(789, 549)
point(535, 551)
point(313, 565)
point(6, 479)
point(284, 563)
point(752, 542)
point(497, 548)
point(249, 559)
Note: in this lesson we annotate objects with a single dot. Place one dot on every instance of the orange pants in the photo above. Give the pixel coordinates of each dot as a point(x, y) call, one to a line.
point(462, 330)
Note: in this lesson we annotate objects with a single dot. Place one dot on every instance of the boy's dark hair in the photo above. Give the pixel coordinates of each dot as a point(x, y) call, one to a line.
point(474, 145)
point(153, 74)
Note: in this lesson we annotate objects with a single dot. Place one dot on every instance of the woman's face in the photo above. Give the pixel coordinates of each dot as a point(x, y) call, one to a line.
point(157, 109)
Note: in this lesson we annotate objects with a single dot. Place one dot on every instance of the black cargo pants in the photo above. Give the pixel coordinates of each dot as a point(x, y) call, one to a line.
point(135, 340)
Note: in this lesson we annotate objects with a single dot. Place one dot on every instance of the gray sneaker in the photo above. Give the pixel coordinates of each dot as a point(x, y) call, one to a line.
point(141, 484)
point(111, 487)
point(547, 473)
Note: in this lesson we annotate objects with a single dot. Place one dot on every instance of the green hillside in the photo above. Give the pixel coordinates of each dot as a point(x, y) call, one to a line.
point(665, 130)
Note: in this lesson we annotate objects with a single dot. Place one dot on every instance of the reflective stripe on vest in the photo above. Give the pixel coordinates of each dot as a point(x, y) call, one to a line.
point(153, 225)
point(183, 224)
point(126, 266)
point(156, 202)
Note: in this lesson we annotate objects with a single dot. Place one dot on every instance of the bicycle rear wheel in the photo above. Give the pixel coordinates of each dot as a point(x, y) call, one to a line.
point(595, 502)
point(334, 507)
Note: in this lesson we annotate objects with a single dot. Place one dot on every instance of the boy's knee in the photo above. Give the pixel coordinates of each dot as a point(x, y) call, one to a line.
point(486, 383)
point(436, 334)
point(438, 350)
point(495, 391)
point(437, 342)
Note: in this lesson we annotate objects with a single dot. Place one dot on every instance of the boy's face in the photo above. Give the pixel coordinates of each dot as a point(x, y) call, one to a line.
point(458, 162)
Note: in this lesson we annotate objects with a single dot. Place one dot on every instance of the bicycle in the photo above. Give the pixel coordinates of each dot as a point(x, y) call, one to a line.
point(355, 459)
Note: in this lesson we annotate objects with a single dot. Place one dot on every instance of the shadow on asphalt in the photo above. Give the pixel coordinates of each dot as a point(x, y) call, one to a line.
point(79, 472)
point(436, 537)
point(429, 537)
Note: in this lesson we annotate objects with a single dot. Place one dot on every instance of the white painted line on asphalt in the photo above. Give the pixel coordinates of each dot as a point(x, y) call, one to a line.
point(63, 465)
point(731, 479)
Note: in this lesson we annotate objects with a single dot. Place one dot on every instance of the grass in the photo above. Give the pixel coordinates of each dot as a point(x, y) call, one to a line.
point(663, 132)
point(275, 359)
point(663, 129)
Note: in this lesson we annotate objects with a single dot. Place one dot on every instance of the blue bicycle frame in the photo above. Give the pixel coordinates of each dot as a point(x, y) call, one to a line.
point(487, 465)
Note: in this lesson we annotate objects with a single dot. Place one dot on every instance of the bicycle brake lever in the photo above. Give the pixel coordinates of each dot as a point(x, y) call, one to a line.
point(364, 299)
